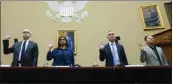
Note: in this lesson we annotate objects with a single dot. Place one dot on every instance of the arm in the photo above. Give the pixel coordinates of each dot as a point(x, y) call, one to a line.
point(72, 59)
point(102, 55)
point(71, 44)
point(50, 55)
point(143, 56)
point(165, 62)
point(6, 49)
point(36, 52)
point(124, 56)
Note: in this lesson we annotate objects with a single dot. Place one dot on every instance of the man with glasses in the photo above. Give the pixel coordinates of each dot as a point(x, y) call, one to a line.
point(113, 52)
point(25, 53)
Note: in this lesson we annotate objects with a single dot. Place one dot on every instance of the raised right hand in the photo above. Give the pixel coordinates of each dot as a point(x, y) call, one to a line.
point(102, 46)
point(8, 36)
point(141, 47)
point(50, 46)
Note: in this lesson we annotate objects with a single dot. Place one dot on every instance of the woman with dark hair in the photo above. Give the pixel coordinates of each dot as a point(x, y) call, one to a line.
point(63, 56)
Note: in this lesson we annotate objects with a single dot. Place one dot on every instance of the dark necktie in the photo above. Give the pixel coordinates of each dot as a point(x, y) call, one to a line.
point(156, 53)
point(23, 49)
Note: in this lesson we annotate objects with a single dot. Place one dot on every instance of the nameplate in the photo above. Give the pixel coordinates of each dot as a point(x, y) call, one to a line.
point(134, 65)
point(60, 66)
point(5, 65)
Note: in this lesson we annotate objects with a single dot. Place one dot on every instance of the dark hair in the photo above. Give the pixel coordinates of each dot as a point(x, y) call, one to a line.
point(59, 41)
point(145, 38)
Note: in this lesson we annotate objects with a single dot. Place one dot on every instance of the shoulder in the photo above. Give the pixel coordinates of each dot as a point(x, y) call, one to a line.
point(119, 45)
point(107, 45)
point(55, 49)
point(146, 47)
point(32, 42)
point(18, 43)
point(158, 47)
point(69, 49)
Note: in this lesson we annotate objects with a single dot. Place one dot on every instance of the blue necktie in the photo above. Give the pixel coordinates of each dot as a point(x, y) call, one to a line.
point(113, 53)
point(23, 49)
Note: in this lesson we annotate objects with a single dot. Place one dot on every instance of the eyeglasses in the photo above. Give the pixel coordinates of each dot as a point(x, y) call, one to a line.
point(111, 34)
point(25, 32)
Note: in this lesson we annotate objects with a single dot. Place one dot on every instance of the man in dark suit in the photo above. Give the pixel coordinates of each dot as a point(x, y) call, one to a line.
point(113, 52)
point(25, 53)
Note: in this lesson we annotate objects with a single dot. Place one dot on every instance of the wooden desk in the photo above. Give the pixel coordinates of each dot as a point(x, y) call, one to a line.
point(86, 74)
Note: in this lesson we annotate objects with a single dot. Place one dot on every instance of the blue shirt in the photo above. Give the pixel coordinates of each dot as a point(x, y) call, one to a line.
point(61, 57)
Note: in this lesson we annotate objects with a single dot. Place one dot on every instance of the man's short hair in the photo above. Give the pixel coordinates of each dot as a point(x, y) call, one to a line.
point(145, 38)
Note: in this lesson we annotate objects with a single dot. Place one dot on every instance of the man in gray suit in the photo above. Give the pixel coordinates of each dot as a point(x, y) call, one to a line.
point(152, 54)
point(25, 53)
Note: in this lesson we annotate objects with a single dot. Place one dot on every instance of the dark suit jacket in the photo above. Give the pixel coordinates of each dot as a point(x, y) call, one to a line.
point(31, 53)
point(106, 53)
point(63, 57)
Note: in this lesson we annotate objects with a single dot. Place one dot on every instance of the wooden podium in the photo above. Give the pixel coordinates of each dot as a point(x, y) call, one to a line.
point(164, 40)
point(86, 75)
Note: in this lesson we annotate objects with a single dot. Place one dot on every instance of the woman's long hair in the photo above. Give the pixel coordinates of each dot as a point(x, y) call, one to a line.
point(59, 41)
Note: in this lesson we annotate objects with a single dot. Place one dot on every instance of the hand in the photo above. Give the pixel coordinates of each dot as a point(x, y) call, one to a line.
point(45, 65)
point(50, 46)
point(141, 47)
point(95, 65)
point(102, 46)
point(8, 36)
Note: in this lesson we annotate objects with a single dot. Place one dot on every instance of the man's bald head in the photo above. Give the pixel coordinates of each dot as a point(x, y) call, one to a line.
point(111, 36)
point(26, 34)
point(27, 30)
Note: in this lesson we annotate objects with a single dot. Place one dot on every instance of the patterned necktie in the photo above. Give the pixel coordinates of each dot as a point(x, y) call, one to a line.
point(113, 53)
point(23, 49)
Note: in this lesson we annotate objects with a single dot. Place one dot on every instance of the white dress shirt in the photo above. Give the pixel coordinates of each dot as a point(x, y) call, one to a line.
point(116, 52)
point(26, 45)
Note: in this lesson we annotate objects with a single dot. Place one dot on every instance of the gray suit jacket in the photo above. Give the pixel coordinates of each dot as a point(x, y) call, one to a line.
point(150, 57)
point(31, 53)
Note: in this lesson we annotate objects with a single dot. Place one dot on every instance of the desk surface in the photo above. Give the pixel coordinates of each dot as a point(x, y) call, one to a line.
point(86, 74)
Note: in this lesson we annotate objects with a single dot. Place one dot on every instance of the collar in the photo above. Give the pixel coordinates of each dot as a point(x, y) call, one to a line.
point(152, 46)
point(25, 40)
point(62, 49)
point(111, 43)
